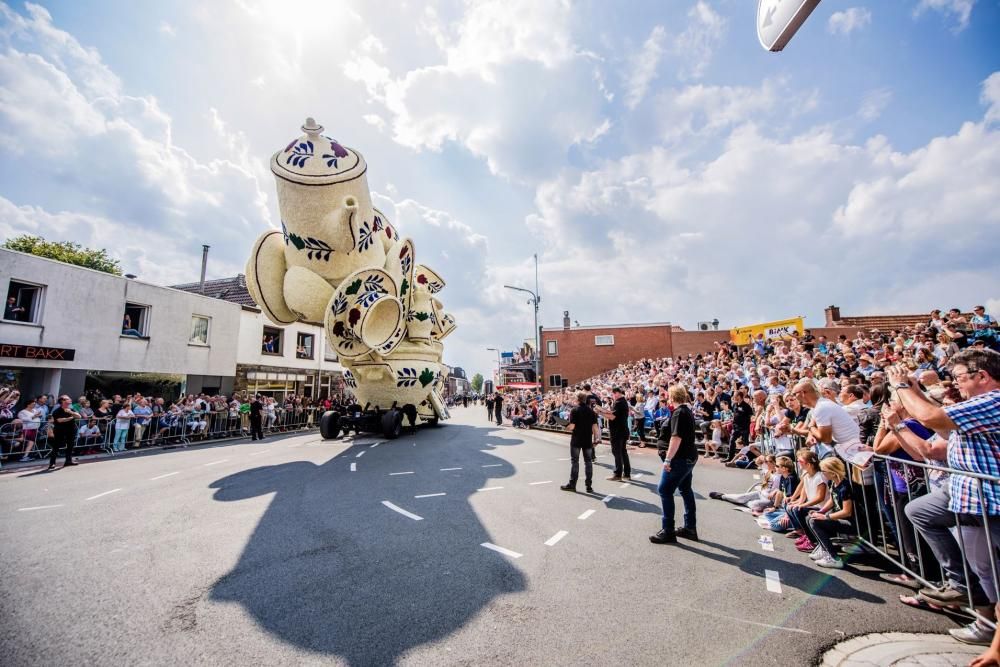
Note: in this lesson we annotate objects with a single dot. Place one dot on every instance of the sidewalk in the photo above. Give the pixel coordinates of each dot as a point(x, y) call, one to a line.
point(900, 649)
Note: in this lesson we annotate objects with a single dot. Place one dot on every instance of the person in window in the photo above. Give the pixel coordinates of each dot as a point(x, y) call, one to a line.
point(127, 328)
point(14, 312)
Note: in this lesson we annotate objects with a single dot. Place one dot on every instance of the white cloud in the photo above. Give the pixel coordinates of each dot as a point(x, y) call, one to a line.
point(167, 29)
point(960, 9)
point(849, 20)
point(642, 67)
point(696, 45)
point(874, 103)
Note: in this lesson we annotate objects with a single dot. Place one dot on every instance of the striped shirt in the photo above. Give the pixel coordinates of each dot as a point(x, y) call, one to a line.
point(975, 447)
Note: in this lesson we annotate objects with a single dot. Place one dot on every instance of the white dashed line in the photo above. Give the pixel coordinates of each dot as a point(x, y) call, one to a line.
point(430, 495)
point(566, 459)
point(552, 541)
point(548, 481)
point(607, 498)
point(354, 466)
point(490, 488)
point(40, 507)
point(773, 581)
point(408, 472)
point(169, 474)
point(266, 451)
point(106, 493)
point(359, 454)
point(527, 462)
point(396, 508)
point(492, 465)
point(215, 463)
point(501, 550)
point(586, 515)
point(374, 445)
point(447, 469)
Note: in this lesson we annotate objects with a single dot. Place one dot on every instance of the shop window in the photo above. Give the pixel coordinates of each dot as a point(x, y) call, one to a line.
point(304, 346)
point(604, 340)
point(552, 348)
point(24, 302)
point(271, 341)
point(136, 320)
point(199, 330)
point(555, 381)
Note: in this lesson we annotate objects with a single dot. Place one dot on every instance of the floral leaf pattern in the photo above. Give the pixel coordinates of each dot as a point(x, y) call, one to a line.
point(300, 153)
point(418, 315)
point(368, 298)
point(404, 288)
point(349, 380)
point(339, 304)
point(426, 377)
point(406, 377)
point(316, 248)
point(353, 287)
point(365, 236)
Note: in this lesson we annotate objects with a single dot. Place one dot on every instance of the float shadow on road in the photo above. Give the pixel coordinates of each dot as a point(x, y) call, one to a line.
point(332, 571)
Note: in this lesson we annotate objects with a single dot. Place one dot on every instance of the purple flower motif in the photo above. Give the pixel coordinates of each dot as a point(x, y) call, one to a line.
point(337, 149)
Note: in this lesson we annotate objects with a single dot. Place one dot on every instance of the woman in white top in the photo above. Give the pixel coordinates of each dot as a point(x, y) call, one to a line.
point(30, 418)
point(123, 420)
point(811, 493)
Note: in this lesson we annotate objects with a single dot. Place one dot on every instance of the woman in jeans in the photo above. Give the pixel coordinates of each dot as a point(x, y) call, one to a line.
point(834, 517)
point(810, 495)
point(123, 420)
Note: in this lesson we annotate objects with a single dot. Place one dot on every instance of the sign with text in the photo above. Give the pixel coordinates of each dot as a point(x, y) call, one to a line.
point(779, 20)
point(770, 330)
point(36, 352)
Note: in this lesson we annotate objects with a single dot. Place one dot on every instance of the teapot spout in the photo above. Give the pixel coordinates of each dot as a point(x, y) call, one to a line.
point(344, 217)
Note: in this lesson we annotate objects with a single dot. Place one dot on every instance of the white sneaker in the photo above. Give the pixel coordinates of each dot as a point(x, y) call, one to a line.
point(24, 459)
point(853, 549)
point(833, 563)
point(818, 553)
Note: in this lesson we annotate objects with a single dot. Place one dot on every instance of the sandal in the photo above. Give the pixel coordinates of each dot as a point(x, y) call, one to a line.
point(901, 580)
point(920, 603)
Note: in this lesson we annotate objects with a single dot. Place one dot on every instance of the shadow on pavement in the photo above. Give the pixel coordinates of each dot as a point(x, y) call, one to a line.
point(330, 570)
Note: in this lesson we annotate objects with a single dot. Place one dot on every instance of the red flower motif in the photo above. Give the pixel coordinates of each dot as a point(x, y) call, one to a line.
point(402, 253)
point(353, 316)
point(422, 279)
point(338, 329)
point(388, 231)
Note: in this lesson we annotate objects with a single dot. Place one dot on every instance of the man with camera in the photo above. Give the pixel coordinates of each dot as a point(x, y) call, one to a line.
point(678, 466)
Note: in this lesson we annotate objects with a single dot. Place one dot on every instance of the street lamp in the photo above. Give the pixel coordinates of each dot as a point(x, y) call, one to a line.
point(534, 301)
point(499, 366)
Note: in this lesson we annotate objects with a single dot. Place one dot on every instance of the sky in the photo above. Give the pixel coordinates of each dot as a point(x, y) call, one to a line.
point(661, 164)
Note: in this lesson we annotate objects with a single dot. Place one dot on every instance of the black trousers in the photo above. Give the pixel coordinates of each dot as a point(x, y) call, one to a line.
point(619, 450)
point(588, 465)
point(256, 428)
point(734, 447)
point(57, 442)
point(640, 428)
point(499, 411)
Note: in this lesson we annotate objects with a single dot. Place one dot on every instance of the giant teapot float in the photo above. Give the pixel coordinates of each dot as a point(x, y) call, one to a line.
point(338, 260)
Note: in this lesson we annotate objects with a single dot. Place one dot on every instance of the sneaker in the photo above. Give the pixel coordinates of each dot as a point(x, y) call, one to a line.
point(853, 549)
point(687, 534)
point(833, 563)
point(568, 487)
point(949, 595)
point(973, 634)
point(715, 495)
point(24, 459)
point(802, 540)
point(614, 478)
point(818, 553)
point(590, 489)
point(805, 547)
point(663, 537)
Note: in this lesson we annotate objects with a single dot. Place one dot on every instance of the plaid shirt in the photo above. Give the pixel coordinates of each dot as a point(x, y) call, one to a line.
point(975, 447)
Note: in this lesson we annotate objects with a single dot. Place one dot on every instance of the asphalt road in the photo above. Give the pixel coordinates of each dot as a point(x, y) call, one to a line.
point(451, 546)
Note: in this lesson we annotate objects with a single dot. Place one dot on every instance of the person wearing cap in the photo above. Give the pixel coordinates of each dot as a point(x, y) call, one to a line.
point(865, 366)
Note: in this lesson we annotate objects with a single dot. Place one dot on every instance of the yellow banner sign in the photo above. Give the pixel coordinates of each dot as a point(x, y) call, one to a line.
point(779, 329)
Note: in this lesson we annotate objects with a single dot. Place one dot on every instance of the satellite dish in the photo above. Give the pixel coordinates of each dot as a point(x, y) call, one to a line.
point(779, 20)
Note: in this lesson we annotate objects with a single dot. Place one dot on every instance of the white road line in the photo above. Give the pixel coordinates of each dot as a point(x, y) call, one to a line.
point(408, 472)
point(548, 481)
point(488, 451)
point(266, 451)
point(359, 454)
point(447, 469)
point(586, 515)
point(501, 550)
point(213, 463)
point(490, 488)
point(527, 462)
point(552, 541)
point(396, 508)
point(106, 493)
point(492, 465)
point(607, 498)
point(169, 474)
point(773, 581)
point(354, 466)
point(566, 459)
point(40, 507)
point(374, 445)
point(431, 495)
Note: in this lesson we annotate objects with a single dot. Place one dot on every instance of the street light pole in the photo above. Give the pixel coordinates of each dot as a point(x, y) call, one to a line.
point(499, 366)
point(535, 299)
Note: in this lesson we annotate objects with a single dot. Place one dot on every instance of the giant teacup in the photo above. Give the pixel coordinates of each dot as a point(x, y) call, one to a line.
point(407, 376)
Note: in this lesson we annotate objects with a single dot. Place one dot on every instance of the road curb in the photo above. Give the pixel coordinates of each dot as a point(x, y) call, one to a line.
point(900, 649)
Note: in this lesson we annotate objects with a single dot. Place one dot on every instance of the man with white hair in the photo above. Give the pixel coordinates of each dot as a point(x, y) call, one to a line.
point(829, 423)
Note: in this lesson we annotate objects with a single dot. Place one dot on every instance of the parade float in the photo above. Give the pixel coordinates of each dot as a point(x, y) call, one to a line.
point(339, 261)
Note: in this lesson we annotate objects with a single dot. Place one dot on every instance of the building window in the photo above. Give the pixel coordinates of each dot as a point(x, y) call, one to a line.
point(552, 348)
point(304, 346)
point(24, 302)
point(199, 330)
point(555, 381)
point(604, 340)
point(271, 342)
point(136, 320)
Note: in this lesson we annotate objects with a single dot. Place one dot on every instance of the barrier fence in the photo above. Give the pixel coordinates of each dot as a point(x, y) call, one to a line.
point(110, 436)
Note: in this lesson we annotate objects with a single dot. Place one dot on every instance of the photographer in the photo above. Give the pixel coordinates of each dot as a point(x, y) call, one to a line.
point(678, 467)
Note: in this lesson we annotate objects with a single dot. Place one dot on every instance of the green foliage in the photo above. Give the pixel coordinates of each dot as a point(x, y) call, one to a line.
point(353, 287)
point(477, 382)
point(426, 377)
point(65, 251)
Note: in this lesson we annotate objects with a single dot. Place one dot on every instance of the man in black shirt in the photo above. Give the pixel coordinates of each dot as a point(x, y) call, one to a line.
point(256, 419)
point(618, 416)
point(498, 408)
point(595, 403)
point(582, 427)
point(63, 425)
point(742, 416)
point(678, 466)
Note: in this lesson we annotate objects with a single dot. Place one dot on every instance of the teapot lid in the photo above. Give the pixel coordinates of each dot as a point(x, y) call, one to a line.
point(316, 159)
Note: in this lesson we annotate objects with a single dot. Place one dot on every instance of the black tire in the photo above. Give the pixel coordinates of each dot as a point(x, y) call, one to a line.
point(433, 421)
point(392, 424)
point(329, 425)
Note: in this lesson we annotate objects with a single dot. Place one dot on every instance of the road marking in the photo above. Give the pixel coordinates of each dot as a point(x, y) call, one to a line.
point(586, 515)
point(501, 550)
point(551, 542)
point(396, 508)
point(773, 581)
point(408, 472)
point(215, 463)
point(566, 459)
point(169, 474)
point(527, 462)
point(106, 493)
point(607, 498)
point(766, 543)
point(490, 488)
point(488, 451)
point(359, 454)
point(40, 507)
point(354, 466)
point(548, 481)
point(374, 445)
point(266, 451)
point(431, 495)
point(492, 465)
point(447, 469)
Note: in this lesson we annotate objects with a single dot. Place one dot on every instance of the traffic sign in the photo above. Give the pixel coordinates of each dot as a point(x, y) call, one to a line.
point(779, 20)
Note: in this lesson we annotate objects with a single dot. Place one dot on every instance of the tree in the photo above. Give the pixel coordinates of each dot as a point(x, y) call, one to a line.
point(477, 382)
point(65, 251)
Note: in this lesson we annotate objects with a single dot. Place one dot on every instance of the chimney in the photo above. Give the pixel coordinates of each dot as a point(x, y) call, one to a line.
point(832, 315)
point(204, 265)
point(565, 319)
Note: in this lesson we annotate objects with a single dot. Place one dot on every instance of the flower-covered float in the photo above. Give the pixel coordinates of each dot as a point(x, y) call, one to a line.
point(340, 261)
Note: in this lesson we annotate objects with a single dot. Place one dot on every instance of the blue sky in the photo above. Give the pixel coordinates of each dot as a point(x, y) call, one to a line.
point(662, 164)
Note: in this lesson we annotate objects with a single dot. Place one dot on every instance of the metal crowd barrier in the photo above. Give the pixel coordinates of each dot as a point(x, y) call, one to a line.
point(155, 430)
